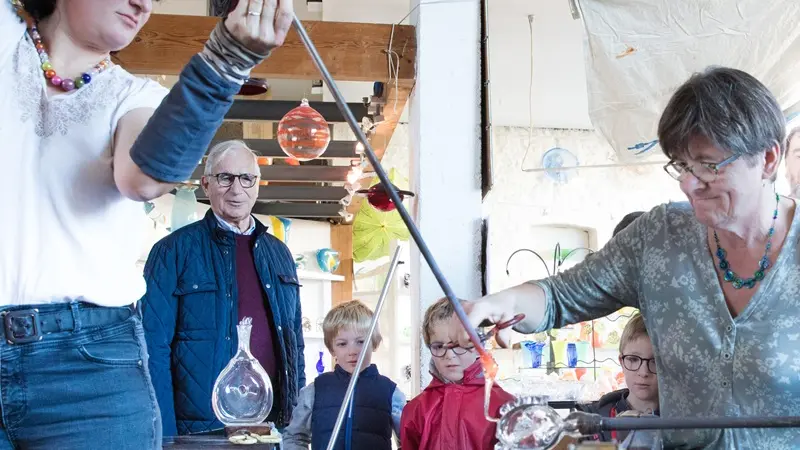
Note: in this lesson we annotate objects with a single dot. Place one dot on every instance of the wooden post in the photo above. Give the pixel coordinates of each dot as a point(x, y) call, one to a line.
point(342, 241)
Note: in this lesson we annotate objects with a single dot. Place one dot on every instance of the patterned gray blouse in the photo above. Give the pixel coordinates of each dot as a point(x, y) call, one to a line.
point(709, 363)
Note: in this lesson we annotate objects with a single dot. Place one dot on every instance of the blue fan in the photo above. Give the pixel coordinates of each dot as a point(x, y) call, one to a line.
point(556, 158)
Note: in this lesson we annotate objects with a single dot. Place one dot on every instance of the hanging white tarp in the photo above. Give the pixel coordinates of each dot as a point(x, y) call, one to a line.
point(639, 51)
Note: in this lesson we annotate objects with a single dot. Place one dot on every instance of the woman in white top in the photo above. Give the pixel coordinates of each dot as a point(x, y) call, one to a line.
point(80, 154)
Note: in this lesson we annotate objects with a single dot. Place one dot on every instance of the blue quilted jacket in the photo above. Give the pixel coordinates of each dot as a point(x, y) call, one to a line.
point(190, 315)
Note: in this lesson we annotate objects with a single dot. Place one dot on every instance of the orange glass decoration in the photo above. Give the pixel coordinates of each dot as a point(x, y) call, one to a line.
point(303, 133)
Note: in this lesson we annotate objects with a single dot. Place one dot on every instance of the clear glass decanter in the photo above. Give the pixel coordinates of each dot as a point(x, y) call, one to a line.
point(243, 392)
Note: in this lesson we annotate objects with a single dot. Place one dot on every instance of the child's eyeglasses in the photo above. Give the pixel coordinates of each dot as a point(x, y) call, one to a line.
point(633, 363)
point(439, 350)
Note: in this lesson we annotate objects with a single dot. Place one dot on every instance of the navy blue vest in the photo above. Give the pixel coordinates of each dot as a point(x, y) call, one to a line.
point(372, 410)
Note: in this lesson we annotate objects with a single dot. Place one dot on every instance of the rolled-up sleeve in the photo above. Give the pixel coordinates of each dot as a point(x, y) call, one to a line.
point(297, 436)
point(601, 284)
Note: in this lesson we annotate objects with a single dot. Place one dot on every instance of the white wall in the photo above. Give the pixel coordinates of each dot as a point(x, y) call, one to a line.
point(592, 198)
point(445, 156)
point(559, 81)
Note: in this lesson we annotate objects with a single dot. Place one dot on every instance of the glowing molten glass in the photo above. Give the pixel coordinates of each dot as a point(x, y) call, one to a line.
point(490, 367)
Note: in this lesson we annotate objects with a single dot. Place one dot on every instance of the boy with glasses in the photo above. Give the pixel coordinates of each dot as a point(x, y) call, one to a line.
point(639, 367)
point(449, 414)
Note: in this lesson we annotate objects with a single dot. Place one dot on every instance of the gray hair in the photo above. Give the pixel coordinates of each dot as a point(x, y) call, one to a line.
point(792, 134)
point(729, 107)
point(219, 151)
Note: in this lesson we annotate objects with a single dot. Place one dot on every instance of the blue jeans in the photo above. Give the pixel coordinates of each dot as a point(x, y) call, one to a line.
point(82, 383)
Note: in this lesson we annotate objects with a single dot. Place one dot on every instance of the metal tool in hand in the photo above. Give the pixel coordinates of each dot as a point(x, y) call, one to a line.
point(486, 335)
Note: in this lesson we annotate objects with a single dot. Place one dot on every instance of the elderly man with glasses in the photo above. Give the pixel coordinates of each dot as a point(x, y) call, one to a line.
point(205, 277)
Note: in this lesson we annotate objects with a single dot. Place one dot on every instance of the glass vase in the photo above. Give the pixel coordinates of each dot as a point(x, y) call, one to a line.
point(242, 394)
point(184, 207)
point(320, 365)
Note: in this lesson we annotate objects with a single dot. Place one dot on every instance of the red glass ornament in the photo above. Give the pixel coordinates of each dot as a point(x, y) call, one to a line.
point(379, 198)
point(303, 133)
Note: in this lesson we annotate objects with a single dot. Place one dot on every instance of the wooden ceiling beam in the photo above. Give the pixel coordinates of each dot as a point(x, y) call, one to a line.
point(299, 210)
point(351, 51)
point(294, 193)
point(270, 149)
point(274, 110)
point(295, 174)
point(296, 210)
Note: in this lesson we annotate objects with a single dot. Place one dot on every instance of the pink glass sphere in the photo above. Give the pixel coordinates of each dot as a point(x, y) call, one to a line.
point(303, 133)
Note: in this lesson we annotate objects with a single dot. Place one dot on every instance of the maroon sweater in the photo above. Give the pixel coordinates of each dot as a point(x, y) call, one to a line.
point(253, 303)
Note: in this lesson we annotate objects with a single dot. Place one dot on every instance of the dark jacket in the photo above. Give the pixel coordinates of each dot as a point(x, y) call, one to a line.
point(371, 423)
point(190, 315)
point(610, 405)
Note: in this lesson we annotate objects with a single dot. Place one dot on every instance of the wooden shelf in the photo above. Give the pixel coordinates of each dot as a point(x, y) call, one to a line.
point(322, 276)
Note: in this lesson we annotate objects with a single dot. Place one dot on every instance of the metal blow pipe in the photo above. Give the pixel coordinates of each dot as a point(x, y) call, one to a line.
point(389, 187)
point(593, 423)
point(351, 387)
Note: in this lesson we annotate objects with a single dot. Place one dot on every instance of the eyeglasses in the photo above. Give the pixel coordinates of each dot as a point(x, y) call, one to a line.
point(705, 172)
point(633, 363)
point(439, 350)
point(247, 180)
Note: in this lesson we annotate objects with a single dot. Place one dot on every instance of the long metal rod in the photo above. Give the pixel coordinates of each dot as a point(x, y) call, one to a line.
point(636, 423)
point(389, 187)
point(351, 387)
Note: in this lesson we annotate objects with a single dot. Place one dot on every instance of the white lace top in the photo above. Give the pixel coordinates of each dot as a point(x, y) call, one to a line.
point(67, 232)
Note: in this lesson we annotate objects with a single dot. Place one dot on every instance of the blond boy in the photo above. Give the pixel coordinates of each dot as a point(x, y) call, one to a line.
point(377, 403)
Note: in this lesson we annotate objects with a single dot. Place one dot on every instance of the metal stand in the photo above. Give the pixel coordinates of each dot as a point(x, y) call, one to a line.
point(348, 396)
point(389, 187)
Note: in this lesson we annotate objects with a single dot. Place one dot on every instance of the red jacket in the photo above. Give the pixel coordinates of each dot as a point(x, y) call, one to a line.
point(450, 416)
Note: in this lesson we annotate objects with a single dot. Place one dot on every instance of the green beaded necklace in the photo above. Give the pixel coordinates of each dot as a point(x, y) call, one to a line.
point(730, 276)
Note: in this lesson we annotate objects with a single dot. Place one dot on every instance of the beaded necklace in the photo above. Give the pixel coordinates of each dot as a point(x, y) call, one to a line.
point(66, 84)
point(730, 276)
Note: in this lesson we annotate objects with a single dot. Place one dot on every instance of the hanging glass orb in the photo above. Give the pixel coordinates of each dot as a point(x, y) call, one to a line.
point(303, 133)
point(379, 198)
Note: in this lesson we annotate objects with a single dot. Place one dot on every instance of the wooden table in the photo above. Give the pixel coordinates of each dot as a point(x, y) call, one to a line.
point(210, 441)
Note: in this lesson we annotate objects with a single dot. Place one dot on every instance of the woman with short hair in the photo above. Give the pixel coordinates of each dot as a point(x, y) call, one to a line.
point(716, 278)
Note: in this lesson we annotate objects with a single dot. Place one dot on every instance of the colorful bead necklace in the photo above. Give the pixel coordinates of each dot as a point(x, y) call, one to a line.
point(730, 276)
point(66, 84)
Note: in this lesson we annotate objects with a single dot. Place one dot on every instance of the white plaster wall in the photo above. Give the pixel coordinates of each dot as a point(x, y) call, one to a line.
point(445, 156)
point(559, 95)
point(593, 198)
